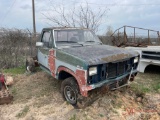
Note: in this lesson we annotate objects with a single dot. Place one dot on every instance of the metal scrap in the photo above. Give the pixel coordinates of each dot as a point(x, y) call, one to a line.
point(122, 39)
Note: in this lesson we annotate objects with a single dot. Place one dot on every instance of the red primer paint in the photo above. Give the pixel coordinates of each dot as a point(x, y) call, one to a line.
point(51, 61)
point(79, 75)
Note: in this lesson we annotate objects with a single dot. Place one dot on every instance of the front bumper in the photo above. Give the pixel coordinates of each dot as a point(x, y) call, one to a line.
point(111, 82)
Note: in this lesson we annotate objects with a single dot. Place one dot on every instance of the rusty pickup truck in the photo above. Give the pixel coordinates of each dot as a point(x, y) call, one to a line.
point(78, 58)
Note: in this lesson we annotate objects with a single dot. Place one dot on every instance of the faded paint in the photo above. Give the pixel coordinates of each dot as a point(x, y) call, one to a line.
point(70, 59)
point(99, 54)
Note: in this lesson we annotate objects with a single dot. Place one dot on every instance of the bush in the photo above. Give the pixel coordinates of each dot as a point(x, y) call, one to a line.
point(15, 45)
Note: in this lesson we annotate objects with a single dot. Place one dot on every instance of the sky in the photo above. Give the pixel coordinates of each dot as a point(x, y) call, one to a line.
point(139, 13)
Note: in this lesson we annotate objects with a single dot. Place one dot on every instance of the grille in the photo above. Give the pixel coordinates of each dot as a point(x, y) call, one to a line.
point(151, 55)
point(121, 68)
point(112, 70)
point(115, 69)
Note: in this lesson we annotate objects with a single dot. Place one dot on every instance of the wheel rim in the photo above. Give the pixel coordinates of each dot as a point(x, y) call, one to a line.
point(70, 95)
point(28, 68)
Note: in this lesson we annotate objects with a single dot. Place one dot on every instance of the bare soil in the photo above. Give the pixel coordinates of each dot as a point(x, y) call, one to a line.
point(37, 97)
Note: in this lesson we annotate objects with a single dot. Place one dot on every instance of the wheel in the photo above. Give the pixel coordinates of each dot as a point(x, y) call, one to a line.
point(70, 90)
point(30, 65)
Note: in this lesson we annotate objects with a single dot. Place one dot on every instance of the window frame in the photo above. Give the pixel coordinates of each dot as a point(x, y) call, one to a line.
point(50, 41)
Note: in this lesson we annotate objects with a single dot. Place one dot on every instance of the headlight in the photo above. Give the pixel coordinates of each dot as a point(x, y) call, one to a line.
point(92, 71)
point(136, 59)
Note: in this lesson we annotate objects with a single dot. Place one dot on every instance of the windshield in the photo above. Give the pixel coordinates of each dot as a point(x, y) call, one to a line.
point(74, 37)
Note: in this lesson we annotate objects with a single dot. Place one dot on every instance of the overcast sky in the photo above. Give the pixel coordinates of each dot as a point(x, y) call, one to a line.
point(140, 13)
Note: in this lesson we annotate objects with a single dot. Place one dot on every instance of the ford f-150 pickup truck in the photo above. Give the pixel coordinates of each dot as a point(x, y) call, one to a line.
point(78, 57)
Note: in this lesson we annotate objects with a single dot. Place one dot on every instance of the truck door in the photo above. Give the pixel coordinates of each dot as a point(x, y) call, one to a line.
point(43, 52)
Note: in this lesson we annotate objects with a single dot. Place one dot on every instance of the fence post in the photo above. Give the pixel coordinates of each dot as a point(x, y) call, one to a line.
point(148, 38)
point(158, 37)
point(124, 33)
point(134, 34)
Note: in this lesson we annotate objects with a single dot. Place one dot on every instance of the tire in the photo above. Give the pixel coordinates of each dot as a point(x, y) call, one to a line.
point(70, 90)
point(30, 65)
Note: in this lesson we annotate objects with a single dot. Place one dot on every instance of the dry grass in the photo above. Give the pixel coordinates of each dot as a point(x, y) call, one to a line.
point(37, 96)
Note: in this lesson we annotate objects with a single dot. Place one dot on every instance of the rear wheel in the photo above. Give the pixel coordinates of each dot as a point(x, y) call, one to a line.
point(30, 65)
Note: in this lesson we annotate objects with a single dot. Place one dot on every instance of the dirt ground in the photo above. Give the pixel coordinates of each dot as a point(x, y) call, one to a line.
point(37, 97)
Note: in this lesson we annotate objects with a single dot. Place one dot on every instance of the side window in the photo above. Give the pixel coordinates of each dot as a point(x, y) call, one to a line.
point(46, 39)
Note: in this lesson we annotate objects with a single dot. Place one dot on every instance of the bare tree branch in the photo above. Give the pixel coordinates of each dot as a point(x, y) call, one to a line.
point(82, 16)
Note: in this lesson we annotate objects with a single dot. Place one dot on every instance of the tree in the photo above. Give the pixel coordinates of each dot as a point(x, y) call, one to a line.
point(109, 31)
point(83, 16)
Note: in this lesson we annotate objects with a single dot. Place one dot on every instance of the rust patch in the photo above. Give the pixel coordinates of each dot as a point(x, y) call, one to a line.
point(51, 62)
point(116, 57)
point(79, 75)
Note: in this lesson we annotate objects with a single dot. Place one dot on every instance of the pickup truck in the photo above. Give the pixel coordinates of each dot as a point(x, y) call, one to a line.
point(83, 63)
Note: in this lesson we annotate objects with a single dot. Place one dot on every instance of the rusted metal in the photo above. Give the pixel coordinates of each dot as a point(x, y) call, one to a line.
point(5, 96)
point(125, 42)
point(158, 36)
point(134, 34)
point(148, 38)
point(124, 33)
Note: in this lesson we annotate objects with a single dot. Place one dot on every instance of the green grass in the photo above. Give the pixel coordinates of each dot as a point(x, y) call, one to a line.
point(156, 87)
point(23, 112)
point(73, 117)
point(18, 70)
point(140, 89)
point(146, 83)
point(101, 115)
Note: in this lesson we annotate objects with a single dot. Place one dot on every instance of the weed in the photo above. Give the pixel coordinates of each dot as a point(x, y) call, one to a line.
point(73, 117)
point(101, 115)
point(14, 90)
point(140, 89)
point(119, 104)
point(156, 87)
point(23, 112)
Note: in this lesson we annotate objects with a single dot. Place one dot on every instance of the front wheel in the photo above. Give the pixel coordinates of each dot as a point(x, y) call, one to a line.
point(70, 90)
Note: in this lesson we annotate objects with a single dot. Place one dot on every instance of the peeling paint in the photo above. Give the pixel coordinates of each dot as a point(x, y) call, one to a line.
point(51, 61)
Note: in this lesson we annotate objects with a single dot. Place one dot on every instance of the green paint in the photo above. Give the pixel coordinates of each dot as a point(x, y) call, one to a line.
point(70, 59)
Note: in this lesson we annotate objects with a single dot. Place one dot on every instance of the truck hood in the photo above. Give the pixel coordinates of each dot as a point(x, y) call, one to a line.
point(99, 54)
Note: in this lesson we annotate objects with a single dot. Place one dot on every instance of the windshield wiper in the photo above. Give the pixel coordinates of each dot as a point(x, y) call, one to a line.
point(93, 41)
point(68, 41)
point(90, 41)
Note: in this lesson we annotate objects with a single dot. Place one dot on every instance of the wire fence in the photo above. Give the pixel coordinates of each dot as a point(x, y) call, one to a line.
point(15, 46)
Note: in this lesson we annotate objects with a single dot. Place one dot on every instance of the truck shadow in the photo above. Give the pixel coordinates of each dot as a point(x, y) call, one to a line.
point(153, 69)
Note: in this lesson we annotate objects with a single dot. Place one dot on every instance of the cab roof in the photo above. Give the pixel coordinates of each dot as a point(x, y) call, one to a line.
point(64, 28)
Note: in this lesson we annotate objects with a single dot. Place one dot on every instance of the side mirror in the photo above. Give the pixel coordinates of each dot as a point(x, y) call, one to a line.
point(39, 44)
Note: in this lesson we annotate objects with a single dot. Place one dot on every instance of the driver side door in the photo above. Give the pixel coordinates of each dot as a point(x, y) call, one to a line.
point(43, 52)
